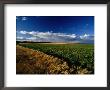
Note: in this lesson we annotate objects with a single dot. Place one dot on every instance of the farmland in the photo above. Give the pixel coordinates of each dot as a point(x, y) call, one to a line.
point(54, 58)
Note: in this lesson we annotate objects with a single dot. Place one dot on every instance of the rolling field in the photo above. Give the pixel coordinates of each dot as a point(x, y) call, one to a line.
point(55, 58)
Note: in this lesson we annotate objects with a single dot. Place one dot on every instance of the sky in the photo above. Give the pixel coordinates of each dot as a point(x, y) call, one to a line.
point(55, 28)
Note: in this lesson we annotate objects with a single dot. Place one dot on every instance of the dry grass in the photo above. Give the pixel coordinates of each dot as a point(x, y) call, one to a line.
point(29, 62)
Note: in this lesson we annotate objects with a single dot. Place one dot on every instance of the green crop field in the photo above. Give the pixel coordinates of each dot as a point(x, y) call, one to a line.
point(76, 55)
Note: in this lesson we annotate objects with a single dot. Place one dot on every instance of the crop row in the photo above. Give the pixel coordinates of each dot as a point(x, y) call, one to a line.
point(76, 55)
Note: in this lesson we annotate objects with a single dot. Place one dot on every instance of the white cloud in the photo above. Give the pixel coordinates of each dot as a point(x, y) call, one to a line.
point(31, 38)
point(19, 37)
point(32, 33)
point(53, 37)
point(23, 32)
point(87, 37)
point(71, 35)
point(46, 36)
point(24, 18)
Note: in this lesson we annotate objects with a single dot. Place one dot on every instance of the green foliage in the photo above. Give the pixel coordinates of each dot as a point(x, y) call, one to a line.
point(76, 55)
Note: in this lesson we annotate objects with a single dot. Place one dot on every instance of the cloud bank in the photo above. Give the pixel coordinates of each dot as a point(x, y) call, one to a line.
point(52, 37)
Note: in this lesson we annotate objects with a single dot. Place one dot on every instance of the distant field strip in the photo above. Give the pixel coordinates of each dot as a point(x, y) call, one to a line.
point(77, 56)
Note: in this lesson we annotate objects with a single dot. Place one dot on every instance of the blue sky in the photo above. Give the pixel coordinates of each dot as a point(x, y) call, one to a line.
point(55, 28)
